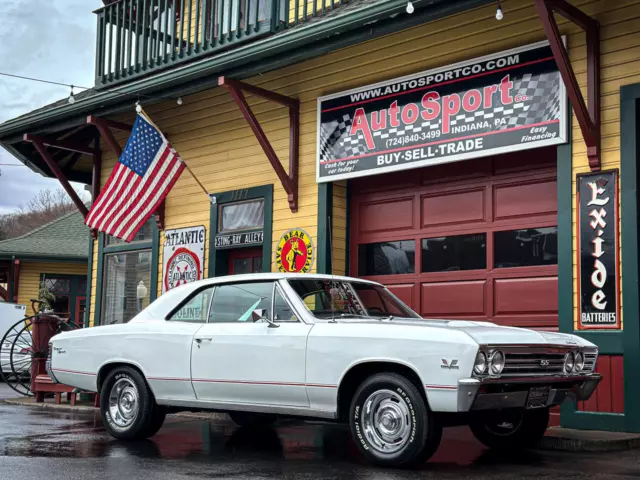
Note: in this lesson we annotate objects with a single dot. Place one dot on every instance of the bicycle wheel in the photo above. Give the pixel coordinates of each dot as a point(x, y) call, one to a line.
point(17, 354)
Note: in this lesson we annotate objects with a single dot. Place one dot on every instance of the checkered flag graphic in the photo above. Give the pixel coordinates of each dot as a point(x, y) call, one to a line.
point(543, 99)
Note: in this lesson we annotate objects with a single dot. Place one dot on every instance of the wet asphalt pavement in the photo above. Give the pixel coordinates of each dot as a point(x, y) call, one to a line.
point(40, 443)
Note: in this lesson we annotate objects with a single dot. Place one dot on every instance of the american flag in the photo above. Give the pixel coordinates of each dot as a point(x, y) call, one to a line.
point(145, 172)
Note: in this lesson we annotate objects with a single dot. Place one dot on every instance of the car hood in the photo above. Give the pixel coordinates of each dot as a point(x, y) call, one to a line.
point(487, 333)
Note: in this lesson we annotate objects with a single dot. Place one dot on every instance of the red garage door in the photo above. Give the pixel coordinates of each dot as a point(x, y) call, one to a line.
point(470, 240)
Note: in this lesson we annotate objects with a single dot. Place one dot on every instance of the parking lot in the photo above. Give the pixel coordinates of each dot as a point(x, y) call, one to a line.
point(43, 443)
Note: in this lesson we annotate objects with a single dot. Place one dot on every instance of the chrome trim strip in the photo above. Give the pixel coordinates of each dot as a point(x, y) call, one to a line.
point(250, 407)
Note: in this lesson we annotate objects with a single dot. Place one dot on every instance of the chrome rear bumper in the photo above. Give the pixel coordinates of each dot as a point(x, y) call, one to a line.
point(495, 393)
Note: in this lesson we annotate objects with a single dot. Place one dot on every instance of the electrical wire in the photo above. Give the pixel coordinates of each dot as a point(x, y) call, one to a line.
point(51, 82)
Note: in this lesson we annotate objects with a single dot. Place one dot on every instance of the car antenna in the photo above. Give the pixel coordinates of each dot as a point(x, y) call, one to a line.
point(333, 315)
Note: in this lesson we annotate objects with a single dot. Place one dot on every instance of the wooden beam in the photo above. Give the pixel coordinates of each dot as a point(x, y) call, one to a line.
point(260, 92)
point(62, 144)
point(55, 169)
point(103, 127)
point(588, 118)
point(110, 123)
point(289, 180)
point(95, 178)
point(4, 294)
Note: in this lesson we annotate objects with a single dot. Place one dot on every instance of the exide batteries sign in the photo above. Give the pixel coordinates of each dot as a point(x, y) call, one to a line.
point(513, 100)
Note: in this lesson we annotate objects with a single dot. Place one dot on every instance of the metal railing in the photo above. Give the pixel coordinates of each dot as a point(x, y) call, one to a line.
point(136, 37)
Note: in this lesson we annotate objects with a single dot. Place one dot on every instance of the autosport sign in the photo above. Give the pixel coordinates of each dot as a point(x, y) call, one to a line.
point(513, 100)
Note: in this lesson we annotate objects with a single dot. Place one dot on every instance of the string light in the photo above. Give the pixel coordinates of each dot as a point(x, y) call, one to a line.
point(410, 8)
point(499, 14)
point(72, 99)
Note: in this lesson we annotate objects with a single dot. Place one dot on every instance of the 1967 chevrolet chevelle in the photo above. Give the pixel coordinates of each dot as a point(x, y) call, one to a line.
point(271, 345)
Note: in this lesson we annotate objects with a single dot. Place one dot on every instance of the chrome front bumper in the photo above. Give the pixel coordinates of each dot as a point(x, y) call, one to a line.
point(495, 393)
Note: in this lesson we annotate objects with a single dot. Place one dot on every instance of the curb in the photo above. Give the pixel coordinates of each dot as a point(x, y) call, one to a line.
point(570, 440)
point(86, 408)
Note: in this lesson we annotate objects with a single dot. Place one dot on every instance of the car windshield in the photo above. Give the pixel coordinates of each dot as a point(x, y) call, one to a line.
point(328, 298)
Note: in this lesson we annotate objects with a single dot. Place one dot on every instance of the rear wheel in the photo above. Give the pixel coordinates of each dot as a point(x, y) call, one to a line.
point(248, 419)
point(391, 423)
point(513, 429)
point(129, 411)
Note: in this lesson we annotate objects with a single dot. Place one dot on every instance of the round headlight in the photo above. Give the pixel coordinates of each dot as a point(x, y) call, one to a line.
point(496, 363)
point(579, 363)
point(569, 362)
point(480, 363)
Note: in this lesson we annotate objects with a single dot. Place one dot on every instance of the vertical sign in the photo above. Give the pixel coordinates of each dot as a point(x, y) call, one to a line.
point(182, 257)
point(599, 291)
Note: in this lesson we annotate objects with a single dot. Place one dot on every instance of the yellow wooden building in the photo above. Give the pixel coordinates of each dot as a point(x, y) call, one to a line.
point(53, 256)
point(441, 148)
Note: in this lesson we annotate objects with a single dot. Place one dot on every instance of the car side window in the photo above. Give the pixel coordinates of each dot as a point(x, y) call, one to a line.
point(236, 302)
point(281, 310)
point(196, 308)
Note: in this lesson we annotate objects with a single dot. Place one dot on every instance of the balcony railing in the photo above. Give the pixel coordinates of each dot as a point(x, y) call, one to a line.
point(137, 37)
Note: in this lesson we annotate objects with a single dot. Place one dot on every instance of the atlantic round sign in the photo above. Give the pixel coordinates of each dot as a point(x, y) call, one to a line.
point(294, 253)
point(183, 267)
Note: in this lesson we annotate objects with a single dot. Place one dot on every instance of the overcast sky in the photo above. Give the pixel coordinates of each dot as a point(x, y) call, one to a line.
point(54, 40)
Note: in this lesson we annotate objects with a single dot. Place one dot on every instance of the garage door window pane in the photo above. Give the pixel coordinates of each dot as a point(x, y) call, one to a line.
point(454, 253)
point(526, 248)
point(387, 258)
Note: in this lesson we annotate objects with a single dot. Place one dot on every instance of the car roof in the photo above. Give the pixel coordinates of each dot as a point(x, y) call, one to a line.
point(249, 277)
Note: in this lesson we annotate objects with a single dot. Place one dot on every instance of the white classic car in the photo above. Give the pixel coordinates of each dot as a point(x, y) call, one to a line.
point(264, 346)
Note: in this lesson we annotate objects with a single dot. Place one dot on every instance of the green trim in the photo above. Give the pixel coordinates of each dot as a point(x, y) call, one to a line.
point(153, 244)
point(39, 258)
point(287, 48)
point(347, 251)
point(612, 422)
point(263, 191)
point(629, 155)
point(323, 246)
point(99, 278)
point(87, 314)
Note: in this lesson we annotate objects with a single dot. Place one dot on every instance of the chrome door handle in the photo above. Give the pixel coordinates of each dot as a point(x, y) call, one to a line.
point(203, 339)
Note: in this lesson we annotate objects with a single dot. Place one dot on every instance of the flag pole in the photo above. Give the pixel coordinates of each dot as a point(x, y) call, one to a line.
point(141, 111)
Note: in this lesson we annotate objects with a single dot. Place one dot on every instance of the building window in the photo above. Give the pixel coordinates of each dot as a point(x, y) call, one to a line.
point(387, 258)
point(526, 248)
point(128, 278)
point(144, 235)
point(454, 253)
point(248, 215)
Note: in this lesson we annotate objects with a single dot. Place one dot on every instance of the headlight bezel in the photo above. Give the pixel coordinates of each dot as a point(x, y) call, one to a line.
point(477, 364)
point(493, 362)
point(578, 366)
point(569, 362)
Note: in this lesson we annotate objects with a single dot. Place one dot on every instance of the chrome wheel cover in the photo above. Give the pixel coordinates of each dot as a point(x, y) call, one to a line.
point(124, 403)
point(386, 421)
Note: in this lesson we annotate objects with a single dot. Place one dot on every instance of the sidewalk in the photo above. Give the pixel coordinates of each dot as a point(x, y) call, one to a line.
point(557, 438)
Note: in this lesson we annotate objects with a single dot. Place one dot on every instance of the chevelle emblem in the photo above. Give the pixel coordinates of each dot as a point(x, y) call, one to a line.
point(544, 363)
point(452, 366)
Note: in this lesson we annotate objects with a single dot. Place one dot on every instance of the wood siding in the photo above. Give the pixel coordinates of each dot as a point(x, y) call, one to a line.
point(30, 277)
point(210, 134)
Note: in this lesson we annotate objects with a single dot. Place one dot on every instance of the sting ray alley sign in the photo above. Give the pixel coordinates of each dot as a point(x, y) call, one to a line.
point(598, 246)
point(182, 257)
point(509, 101)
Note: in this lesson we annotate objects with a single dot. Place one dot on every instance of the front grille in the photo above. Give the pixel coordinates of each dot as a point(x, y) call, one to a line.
point(590, 361)
point(525, 363)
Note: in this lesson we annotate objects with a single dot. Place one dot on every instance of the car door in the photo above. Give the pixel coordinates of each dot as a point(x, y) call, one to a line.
point(236, 360)
point(164, 347)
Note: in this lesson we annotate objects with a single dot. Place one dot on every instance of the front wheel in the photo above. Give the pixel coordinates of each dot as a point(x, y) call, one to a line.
point(128, 408)
point(391, 423)
point(511, 429)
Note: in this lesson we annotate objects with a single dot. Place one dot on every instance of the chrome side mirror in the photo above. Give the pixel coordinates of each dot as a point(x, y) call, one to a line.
point(260, 314)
